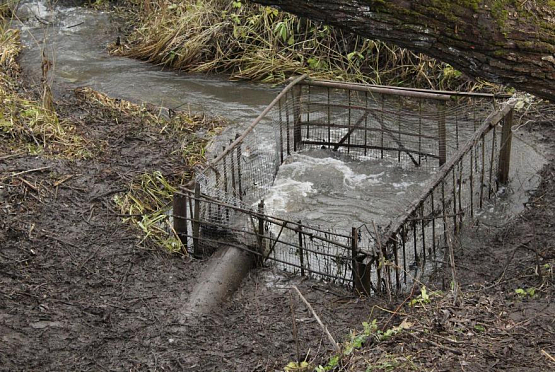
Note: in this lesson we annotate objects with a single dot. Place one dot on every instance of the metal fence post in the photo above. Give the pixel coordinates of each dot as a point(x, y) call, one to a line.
point(505, 151)
point(354, 263)
point(260, 235)
point(442, 134)
point(361, 271)
point(196, 223)
point(301, 251)
point(180, 217)
point(239, 153)
point(297, 134)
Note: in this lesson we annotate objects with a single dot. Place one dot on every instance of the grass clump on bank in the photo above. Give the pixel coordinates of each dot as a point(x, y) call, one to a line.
point(25, 122)
point(148, 203)
point(262, 43)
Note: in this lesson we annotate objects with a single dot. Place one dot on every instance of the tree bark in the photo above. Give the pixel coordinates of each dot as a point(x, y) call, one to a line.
point(503, 41)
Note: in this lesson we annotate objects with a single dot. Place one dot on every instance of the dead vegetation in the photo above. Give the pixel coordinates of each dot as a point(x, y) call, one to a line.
point(262, 43)
point(25, 122)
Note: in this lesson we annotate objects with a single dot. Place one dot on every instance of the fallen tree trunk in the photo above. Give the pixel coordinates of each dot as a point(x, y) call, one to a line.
point(503, 41)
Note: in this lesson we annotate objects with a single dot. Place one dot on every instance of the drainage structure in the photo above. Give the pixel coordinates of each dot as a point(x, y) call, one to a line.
point(463, 139)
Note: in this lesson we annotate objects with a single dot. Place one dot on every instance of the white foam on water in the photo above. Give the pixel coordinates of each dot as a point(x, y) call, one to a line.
point(302, 164)
point(283, 195)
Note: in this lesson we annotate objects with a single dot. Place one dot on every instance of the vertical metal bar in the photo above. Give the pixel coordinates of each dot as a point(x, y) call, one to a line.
point(329, 119)
point(382, 125)
point(180, 218)
point(297, 134)
point(460, 184)
point(196, 223)
point(300, 250)
point(403, 246)
point(357, 282)
point(287, 132)
point(280, 132)
point(505, 151)
point(217, 174)
point(442, 133)
point(365, 123)
point(308, 113)
point(419, 132)
point(349, 121)
point(472, 154)
point(492, 160)
point(423, 231)
point(414, 234)
point(455, 201)
point(239, 152)
point(260, 235)
point(474, 117)
point(482, 176)
point(225, 170)
point(444, 212)
point(433, 222)
point(233, 183)
point(457, 125)
point(400, 129)
point(397, 269)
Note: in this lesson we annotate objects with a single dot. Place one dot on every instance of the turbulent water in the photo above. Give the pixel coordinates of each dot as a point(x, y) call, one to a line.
point(328, 188)
point(316, 187)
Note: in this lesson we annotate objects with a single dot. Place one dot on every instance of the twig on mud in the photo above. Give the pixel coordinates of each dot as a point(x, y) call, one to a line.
point(548, 356)
point(294, 321)
point(107, 193)
point(10, 156)
point(450, 349)
point(324, 328)
point(66, 178)
point(29, 171)
point(28, 184)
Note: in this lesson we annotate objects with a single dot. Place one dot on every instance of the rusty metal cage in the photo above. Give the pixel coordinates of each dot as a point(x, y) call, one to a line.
point(463, 137)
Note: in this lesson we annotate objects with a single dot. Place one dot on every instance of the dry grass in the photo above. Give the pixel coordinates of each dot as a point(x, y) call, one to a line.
point(148, 203)
point(25, 122)
point(261, 43)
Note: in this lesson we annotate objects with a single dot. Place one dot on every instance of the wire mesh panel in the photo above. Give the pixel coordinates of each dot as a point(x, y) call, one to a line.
point(451, 134)
point(457, 191)
point(418, 130)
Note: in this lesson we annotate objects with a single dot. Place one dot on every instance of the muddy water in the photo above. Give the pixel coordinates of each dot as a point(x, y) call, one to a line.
point(75, 39)
point(317, 187)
